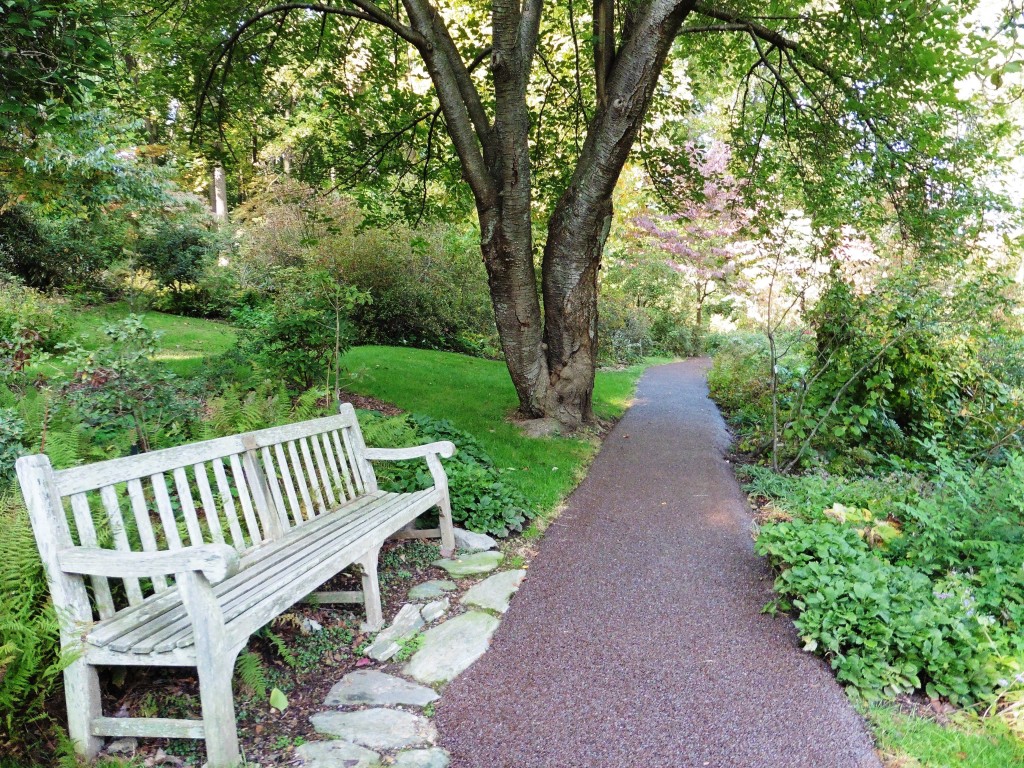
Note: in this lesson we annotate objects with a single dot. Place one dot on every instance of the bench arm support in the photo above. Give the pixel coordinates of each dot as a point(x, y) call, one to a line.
point(443, 448)
point(216, 562)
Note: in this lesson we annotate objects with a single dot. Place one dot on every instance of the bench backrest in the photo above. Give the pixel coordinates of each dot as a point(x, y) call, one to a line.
point(244, 490)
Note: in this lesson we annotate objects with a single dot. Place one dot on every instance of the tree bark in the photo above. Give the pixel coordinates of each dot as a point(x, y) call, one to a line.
point(582, 218)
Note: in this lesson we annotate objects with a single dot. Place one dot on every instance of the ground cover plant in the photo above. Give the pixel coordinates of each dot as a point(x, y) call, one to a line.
point(885, 465)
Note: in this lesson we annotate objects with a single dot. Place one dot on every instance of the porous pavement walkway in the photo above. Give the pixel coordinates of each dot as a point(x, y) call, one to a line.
point(637, 639)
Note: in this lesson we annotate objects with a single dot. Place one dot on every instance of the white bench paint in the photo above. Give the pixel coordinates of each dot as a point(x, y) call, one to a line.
point(188, 551)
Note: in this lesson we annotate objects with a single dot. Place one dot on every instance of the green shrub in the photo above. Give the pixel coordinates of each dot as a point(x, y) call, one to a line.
point(481, 500)
point(12, 433)
point(623, 332)
point(182, 258)
point(26, 310)
point(906, 585)
point(122, 395)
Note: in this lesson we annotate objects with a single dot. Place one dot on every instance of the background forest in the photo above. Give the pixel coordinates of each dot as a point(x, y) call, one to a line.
point(206, 210)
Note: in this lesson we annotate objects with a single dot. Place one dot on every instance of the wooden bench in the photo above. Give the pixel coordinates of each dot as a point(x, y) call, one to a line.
point(190, 550)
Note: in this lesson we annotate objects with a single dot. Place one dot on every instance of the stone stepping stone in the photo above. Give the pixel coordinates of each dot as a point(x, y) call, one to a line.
point(422, 758)
point(473, 542)
point(473, 564)
point(373, 687)
point(435, 610)
point(406, 624)
point(451, 647)
point(377, 728)
point(336, 754)
point(494, 592)
point(432, 588)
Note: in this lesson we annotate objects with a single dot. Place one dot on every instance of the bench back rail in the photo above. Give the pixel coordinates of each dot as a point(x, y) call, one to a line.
point(244, 491)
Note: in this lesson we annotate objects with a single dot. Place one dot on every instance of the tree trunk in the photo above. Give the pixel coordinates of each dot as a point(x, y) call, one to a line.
point(582, 218)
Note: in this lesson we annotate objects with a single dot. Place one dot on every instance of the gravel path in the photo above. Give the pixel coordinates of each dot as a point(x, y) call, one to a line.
point(637, 640)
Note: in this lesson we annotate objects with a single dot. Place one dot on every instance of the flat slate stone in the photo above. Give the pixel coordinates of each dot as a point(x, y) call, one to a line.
point(451, 647)
point(336, 754)
point(406, 624)
point(435, 610)
point(432, 588)
point(377, 728)
point(494, 592)
point(422, 758)
point(370, 686)
point(473, 542)
point(473, 564)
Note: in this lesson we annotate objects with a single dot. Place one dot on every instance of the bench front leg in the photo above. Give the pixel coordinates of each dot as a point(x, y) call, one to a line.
point(371, 591)
point(440, 478)
point(215, 665)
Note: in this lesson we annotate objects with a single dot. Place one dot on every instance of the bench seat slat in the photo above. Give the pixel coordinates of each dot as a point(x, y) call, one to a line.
point(154, 607)
point(162, 622)
point(277, 579)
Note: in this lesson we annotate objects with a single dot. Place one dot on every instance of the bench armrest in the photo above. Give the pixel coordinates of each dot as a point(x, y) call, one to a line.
point(443, 448)
point(216, 561)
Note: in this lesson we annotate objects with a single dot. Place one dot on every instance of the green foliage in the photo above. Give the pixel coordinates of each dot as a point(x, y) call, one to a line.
point(252, 674)
point(623, 332)
point(29, 663)
point(426, 286)
point(900, 367)
point(181, 256)
point(12, 434)
point(30, 322)
point(119, 388)
point(481, 499)
point(937, 606)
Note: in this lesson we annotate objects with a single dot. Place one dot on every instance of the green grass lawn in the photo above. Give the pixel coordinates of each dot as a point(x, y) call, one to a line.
point(915, 742)
point(477, 396)
point(184, 341)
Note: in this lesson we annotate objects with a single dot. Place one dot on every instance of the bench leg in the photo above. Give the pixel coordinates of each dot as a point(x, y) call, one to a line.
point(82, 691)
point(219, 711)
point(445, 524)
point(371, 592)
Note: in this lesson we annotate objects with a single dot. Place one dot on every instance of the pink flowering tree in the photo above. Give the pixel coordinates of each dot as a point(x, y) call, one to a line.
point(700, 227)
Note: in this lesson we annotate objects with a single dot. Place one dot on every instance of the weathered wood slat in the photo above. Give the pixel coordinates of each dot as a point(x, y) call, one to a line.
point(299, 471)
point(350, 460)
point(355, 436)
point(228, 505)
point(325, 442)
point(151, 610)
point(354, 596)
point(210, 512)
point(314, 479)
point(165, 510)
point(188, 507)
point(416, 533)
point(339, 452)
point(113, 471)
point(148, 727)
point(270, 473)
point(115, 520)
point(87, 536)
point(140, 510)
point(253, 500)
point(277, 580)
point(330, 501)
point(289, 484)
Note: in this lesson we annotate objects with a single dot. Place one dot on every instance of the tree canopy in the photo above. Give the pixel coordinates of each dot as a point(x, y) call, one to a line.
point(884, 116)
